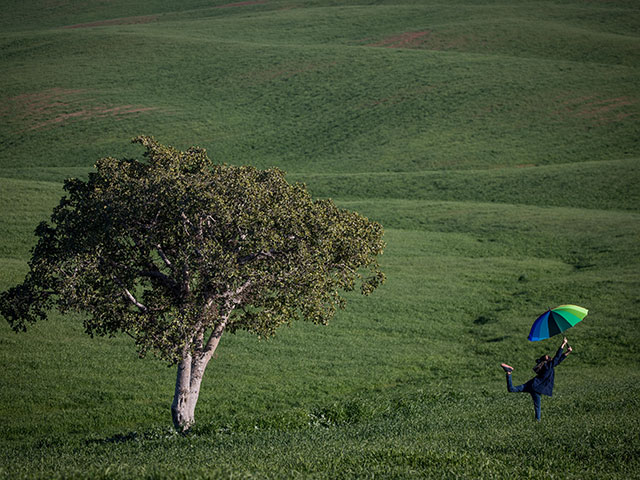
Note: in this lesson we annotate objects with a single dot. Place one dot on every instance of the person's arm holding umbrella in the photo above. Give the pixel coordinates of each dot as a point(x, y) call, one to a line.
point(569, 350)
point(559, 356)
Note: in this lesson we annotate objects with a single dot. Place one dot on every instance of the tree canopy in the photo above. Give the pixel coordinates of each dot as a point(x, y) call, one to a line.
point(175, 247)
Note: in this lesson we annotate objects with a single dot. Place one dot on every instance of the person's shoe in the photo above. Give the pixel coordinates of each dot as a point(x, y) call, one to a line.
point(506, 368)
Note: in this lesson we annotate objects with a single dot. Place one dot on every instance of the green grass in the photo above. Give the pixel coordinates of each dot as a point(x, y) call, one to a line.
point(499, 148)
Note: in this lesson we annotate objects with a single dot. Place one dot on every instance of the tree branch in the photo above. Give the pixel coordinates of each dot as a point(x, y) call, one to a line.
point(164, 258)
point(197, 234)
point(214, 338)
point(256, 256)
point(199, 339)
point(153, 272)
point(186, 279)
point(186, 222)
point(133, 300)
point(232, 299)
point(129, 296)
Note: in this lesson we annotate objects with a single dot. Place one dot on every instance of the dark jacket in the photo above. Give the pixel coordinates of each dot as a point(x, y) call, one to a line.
point(543, 381)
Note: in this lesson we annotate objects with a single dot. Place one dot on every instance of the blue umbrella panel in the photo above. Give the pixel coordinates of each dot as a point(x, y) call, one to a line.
point(555, 321)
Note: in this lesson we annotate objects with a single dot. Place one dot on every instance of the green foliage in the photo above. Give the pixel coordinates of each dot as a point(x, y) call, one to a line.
point(166, 249)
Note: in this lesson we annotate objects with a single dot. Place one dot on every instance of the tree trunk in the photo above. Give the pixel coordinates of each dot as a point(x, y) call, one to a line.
point(182, 420)
point(188, 380)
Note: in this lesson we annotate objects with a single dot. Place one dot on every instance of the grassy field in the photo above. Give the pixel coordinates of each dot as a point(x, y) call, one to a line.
point(498, 144)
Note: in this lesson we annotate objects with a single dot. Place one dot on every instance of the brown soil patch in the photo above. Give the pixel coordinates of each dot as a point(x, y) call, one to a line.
point(599, 110)
point(34, 111)
point(116, 21)
point(96, 112)
point(40, 103)
point(242, 4)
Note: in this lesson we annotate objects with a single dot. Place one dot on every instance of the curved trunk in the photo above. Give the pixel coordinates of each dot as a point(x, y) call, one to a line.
point(182, 419)
point(188, 380)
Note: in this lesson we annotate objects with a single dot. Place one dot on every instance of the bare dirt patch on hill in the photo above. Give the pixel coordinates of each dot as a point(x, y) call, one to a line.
point(598, 110)
point(56, 106)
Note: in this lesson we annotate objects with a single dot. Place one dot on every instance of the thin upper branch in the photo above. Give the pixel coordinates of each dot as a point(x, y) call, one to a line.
point(130, 296)
point(232, 299)
point(198, 233)
point(257, 256)
point(186, 222)
point(186, 279)
point(164, 258)
point(133, 300)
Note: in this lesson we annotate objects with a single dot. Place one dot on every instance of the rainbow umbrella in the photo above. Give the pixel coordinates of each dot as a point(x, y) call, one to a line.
point(556, 320)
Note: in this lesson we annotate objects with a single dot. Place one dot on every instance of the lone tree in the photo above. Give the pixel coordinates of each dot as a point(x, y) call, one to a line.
point(175, 250)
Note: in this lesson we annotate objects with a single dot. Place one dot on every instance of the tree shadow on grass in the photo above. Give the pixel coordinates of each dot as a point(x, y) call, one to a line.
point(117, 438)
point(134, 436)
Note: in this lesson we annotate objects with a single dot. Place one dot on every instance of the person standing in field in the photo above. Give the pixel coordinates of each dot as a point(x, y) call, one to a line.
point(542, 383)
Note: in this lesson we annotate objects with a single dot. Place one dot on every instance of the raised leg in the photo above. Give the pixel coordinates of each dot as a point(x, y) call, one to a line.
point(511, 388)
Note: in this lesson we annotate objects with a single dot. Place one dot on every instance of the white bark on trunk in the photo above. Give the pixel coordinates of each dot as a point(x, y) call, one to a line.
point(188, 380)
point(191, 368)
point(197, 372)
point(182, 417)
